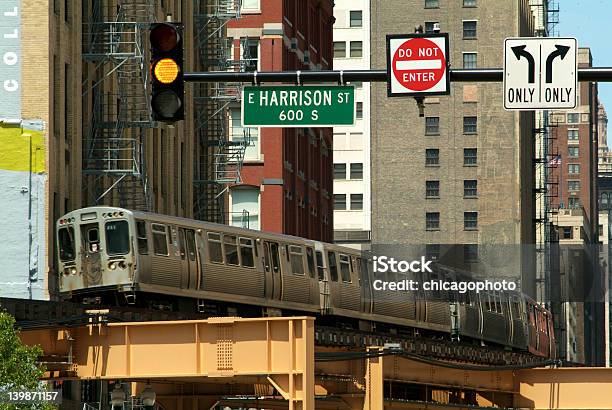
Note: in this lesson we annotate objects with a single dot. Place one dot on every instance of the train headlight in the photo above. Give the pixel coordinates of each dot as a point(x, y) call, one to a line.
point(66, 271)
point(122, 265)
point(112, 266)
point(73, 270)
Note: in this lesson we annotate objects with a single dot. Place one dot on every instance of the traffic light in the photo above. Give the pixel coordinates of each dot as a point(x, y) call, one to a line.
point(167, 87)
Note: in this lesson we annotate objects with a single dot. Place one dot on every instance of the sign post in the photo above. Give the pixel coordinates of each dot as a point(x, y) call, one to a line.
point(540, 73)
point(417, 65)
point(298, 106)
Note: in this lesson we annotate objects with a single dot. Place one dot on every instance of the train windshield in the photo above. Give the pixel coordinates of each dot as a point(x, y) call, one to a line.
point(117, 237)
point(66, 244)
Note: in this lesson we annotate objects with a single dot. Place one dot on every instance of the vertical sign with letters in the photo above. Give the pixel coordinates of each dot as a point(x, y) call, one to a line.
point(10, 59)
point(540, 73)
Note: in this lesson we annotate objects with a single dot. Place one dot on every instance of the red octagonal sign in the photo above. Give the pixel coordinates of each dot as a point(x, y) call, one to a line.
point(417, 64)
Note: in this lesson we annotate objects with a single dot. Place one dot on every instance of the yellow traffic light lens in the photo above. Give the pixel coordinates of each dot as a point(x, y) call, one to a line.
point(166, 70)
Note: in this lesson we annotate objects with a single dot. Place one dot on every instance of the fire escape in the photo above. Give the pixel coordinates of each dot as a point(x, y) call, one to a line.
point(220, 155)
point(114, 39)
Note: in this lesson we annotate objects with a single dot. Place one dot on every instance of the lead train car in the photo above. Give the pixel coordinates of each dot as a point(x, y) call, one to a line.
point(107, 252)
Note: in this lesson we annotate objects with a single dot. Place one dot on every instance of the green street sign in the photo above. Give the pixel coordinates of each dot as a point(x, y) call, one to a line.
point(298, 106)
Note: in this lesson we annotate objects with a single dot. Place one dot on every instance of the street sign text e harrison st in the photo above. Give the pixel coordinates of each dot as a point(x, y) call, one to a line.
point(298, 106)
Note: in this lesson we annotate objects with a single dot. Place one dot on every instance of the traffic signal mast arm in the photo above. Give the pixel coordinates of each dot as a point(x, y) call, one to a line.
point(599, 74)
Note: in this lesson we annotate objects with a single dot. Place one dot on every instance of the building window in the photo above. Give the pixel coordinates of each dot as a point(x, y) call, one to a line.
point(358, 84)
point(245, 207)
point(574, 168)
point(356, 202)
point(432, 221)
point(432, 251)
point(67, 11)
point(432, 189)
point(470, 156)
point(432, 4)
point(430, 26)
point(339, 202)
point(469, 29)
point(250, 54)
point(572, 135)
point(339, 49)
point(566, 232)
point(469, 60)
point(432, 125)
point(356, 18)
point(573, 185)
point(469, 3)
point(432, 157)
point(573, 203)
point(359, 110)
point(357, 170)
point(470, 188)
point(356, 49)
point(470, 253)
point(470, 125)
point(470, 221)
point(339, 171)
point(573, 118)
point(573, 151)
point(250, 5)
point(240, 133)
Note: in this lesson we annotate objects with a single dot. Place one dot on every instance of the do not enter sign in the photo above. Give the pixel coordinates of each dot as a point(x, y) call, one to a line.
point(417, 65)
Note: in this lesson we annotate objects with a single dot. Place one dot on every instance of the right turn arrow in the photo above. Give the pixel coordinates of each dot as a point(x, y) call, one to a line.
point(520, 51)
point(561, 51)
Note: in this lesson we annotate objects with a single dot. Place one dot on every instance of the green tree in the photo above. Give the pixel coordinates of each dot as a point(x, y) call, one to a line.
point(19, 367)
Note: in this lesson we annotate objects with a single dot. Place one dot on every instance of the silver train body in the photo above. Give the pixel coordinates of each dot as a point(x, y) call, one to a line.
point(107, 249)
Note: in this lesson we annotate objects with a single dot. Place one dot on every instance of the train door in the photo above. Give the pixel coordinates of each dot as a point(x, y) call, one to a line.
point(91, 255)
point(323, 278)
point(272, 266)
point(361, 269)
point(189, 259)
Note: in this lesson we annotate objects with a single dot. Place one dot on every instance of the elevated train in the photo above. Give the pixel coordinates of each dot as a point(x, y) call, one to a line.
point(108, 252)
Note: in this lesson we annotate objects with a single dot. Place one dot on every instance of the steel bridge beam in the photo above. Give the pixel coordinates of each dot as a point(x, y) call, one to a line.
point(599, 74)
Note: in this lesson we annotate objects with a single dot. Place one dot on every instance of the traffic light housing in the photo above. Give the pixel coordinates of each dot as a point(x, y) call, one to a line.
point(167, 86)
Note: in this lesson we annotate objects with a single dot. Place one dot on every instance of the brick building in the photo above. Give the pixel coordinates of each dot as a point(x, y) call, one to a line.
point(286, 178)
point(75, 97)
point(575, 143)
point(462, 174)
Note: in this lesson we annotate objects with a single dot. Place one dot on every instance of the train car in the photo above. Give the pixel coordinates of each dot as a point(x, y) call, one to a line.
point(114, 254)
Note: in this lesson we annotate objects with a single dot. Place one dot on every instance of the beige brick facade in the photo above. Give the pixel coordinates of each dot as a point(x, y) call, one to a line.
point(53, 63)
point(504, 140)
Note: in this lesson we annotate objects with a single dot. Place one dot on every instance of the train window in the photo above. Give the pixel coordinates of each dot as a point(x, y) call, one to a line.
point(489, 304)
point(310, 260)
point(66, 244)
point(182, 242)
point(274, 252)
point(117, 237)
point(141, 235)
point(345, 268)
point(246, 252)
point(214, 247)
point(191, 249)
point(320, 266)
point(516, 308)
point(160, 240)
point(497, 302)
point(231, 250)
point(296, 259)
point(333, 265)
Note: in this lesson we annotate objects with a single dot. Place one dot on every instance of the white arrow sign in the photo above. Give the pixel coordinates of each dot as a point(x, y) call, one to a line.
point(540, 73)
